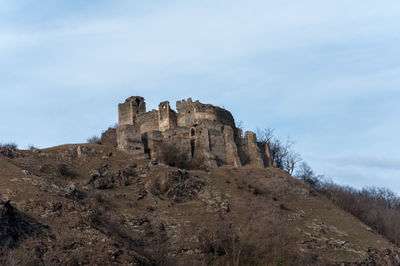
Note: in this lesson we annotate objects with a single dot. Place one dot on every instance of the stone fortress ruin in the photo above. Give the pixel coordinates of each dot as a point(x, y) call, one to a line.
point(197, 130)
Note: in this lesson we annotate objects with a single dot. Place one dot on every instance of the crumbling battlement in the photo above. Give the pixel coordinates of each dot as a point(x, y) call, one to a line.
point(128, 111)
point(197, 129)
point(189, 110)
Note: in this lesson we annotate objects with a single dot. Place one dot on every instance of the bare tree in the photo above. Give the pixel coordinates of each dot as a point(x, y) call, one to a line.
point(378, 208)
point(283, 153)
point(305, 173)
point(266, 135)
point(94, 139)
point(290, 161)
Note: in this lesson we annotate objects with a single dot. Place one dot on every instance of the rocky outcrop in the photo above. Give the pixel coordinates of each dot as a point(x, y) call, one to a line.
point(9, 152)
point(179, 186)
point(383, 257)
point(101, 178)
point(14, 226)
point(109, 137)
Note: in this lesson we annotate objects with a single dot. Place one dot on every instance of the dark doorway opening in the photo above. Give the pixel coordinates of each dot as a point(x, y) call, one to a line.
point(192, 146)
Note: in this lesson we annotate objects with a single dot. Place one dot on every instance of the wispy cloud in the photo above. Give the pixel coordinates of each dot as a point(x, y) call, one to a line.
point(370, 162)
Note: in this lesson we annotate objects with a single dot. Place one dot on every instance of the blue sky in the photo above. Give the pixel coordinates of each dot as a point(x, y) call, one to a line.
point(325, 73)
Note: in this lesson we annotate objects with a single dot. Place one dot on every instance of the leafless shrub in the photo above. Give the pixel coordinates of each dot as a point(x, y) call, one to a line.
point(197, 162)
point(156, 188)
point(266, 135)
point(94, 139)
point(102, 200)
point(172, 156)
point(65, 170)
point(225, 242)
point(31, 147)
point(379, 208)
point(285, 157)
point(305, 173)
point(46, 168)
point(9, 150)
point(160, 248)
point(10, 145)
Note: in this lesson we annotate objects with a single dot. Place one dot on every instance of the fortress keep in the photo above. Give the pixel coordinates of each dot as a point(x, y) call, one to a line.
point(196, 130)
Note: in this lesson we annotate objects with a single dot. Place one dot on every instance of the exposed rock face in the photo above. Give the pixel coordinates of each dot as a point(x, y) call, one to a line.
point(13, 226)
point(9, 152)
point(109, 137)
point(196, 130)
point(179, 186)
point(102, 179)
point(383, 257)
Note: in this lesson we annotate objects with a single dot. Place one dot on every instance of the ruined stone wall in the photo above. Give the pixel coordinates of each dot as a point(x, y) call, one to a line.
point(190, 112)
point(217, 146)
point(147, 121)
point(166, 117)
point(203, 149)
point(125, 114)
point(179, 138)
point(128, 110)
point(216, 141)
point(232, 152)
point(266, 154)
point(153, 142)
point(129, 139)
point(197, 130)
point(251, 149)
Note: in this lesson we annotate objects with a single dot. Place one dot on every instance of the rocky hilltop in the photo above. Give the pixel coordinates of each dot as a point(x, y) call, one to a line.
point(171, 188)
point(92, 204)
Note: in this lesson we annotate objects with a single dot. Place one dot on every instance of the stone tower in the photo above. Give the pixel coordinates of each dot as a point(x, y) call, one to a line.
point(128, 110)
point(166, 117)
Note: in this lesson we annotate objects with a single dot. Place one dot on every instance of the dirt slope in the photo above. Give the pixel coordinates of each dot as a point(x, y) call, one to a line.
point(89, 204)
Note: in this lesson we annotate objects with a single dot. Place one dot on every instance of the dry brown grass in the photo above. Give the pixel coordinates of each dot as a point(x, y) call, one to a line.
point(270, 214)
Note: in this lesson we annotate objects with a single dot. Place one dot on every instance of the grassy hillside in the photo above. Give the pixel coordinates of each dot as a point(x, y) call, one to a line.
point(91, 204)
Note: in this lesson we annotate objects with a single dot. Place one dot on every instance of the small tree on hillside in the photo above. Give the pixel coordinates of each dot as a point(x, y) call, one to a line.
point(10, 145)
point(284, 156)
point(305, 173)
point(94, 139)
point(290, 161)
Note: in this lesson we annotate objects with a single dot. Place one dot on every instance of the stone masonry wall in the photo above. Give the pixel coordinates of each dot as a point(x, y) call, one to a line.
point(196, 130)
point(147, 121)
point(128, 110)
